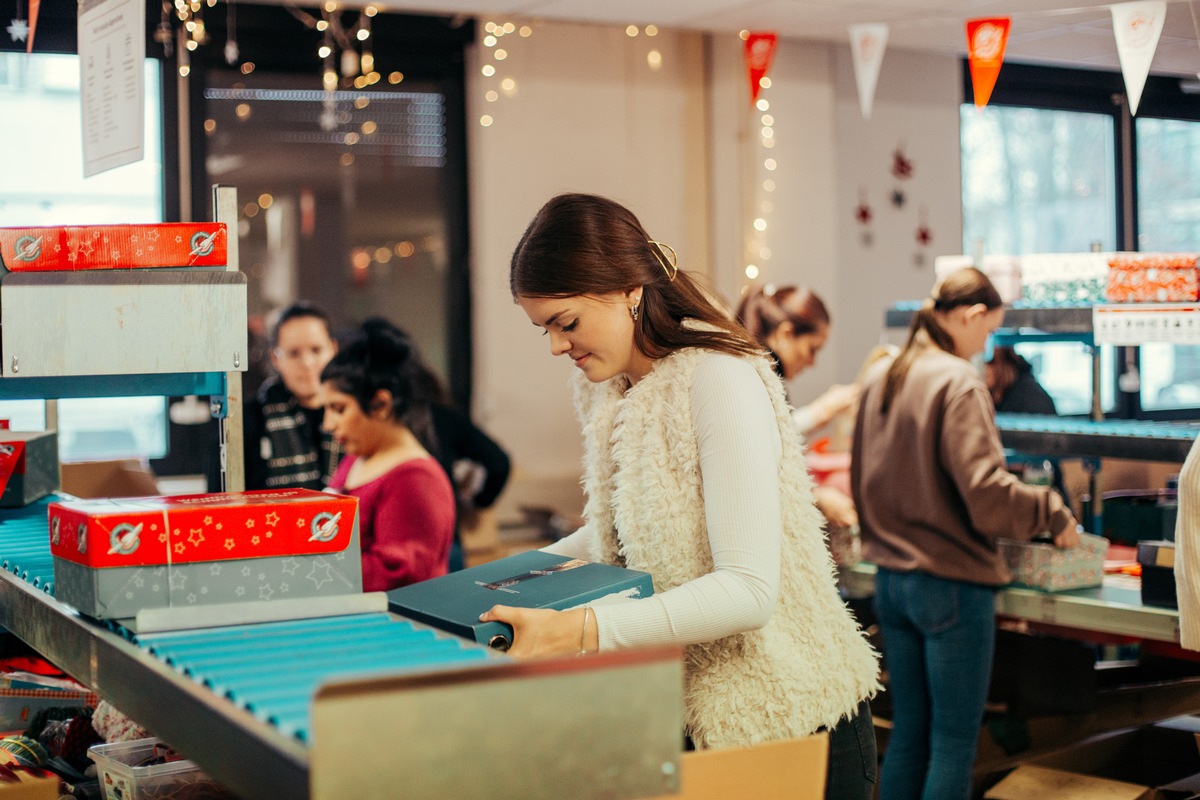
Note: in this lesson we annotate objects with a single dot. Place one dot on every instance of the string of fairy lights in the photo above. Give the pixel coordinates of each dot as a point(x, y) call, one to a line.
point(757, 243)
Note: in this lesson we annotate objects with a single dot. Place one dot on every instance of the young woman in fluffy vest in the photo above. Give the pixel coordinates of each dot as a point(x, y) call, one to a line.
point(695, 474)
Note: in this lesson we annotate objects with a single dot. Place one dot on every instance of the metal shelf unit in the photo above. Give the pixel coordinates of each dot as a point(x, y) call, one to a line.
point(432, 730)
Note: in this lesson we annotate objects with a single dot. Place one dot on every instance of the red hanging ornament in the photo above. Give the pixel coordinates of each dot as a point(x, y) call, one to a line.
point(863, 212)
point(924, 234)
point(902, 168)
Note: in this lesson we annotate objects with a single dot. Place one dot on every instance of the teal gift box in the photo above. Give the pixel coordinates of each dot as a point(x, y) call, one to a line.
point(528, 580)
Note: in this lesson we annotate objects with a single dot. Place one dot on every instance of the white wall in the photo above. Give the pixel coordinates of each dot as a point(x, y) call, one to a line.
point(916, 108)
point(680, 147)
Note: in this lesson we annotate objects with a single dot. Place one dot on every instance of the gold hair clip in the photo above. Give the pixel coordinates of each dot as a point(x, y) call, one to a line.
point(660, 251)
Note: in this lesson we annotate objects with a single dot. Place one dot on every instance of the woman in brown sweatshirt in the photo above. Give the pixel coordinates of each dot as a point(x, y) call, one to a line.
point(933, 494)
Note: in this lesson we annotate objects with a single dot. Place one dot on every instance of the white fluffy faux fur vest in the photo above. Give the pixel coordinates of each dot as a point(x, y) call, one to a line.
point(810, 665)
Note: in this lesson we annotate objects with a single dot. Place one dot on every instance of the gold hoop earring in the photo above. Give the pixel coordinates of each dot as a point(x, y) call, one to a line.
point(634, 312)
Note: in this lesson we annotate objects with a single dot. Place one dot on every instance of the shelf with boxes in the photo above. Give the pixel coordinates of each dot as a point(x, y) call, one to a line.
point(301, 706)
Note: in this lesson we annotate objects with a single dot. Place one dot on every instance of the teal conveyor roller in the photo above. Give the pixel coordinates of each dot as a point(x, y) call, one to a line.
point(270, 669)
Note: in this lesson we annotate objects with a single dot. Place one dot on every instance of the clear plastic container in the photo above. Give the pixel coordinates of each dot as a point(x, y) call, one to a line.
point(122, 779)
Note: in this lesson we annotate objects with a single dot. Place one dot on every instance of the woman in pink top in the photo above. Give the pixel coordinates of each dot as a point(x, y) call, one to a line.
point(376, 409)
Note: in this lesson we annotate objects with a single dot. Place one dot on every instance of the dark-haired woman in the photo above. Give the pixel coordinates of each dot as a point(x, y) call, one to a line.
point(377, 410)
point(285, 446)
point(694, 473)
point(933, 495)
point(793, 324)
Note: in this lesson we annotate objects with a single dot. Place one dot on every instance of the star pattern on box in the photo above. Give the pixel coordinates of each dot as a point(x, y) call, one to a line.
point(254, 540)
point(191, 598)
point(215, 569)
point(283, 587)
point(162, 538)
point(289, 566)
point(230, 544)
point(139, 581)
point(272, 519)
point(208, 520)
point(239, 591)
point(196, 537)
point(320, 574)
point(300, 522)
point(179, 548)
point(178, 581)
point(249, 524)
point(265, 592)
point(245, 572)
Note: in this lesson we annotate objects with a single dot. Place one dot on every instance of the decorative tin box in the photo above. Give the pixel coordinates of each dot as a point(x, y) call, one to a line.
point(529, 580)
point(1153, 278)
point(86, 247)
point(1046, 567)
point(28, 466)
point(113, 558)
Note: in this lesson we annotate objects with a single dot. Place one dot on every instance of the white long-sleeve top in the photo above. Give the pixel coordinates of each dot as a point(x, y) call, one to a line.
point(1187, 550)
point(739, 462)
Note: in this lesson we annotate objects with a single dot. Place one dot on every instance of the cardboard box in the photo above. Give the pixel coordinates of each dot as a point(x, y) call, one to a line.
point(28, 783)
point(113, 558)
point(117, 478)
point(1027, 782)
point(530, 580)
point(89, 247)
point(28, 466)
point(792, 769)
point(1064, 278)
point(1046, 567)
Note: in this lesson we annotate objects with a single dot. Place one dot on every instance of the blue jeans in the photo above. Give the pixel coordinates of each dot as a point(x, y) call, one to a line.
point(938, 640)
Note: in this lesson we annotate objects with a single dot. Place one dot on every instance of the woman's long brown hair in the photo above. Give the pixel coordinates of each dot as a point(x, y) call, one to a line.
point(583, 244)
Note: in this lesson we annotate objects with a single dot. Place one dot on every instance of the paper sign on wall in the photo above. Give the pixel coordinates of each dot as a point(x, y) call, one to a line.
point(867, 43)
point(112, 51)
point(986, 40)
point(1137, 27)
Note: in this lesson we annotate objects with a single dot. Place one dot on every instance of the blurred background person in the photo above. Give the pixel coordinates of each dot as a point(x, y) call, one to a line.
point(933, 494)
point(793, 324)
point(284, 445)
point(377, 408)
point(1014, 389)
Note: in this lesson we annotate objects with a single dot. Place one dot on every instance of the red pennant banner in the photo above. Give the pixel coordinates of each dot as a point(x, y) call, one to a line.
point(760, 49)
point(986, 39)
point(34, 7)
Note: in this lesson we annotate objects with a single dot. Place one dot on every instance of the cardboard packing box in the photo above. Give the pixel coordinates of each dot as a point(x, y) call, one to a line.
point(28, 466)
point(529, 580)
point(88, 247)
point(114, 557)
point(1046, 567)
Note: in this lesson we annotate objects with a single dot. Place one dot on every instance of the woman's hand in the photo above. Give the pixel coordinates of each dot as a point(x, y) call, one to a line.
point(835, 400)
point(836, 506)
point(538, 632)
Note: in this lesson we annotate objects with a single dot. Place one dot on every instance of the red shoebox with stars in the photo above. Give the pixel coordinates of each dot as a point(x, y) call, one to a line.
point(113, 558)
point(133, 246)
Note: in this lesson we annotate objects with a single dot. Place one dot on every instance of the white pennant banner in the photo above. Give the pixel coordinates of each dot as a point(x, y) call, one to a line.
point(867, 43)
point(1136, 27)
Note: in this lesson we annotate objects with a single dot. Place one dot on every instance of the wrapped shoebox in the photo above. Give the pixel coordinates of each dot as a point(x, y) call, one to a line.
point(532, 579)
point(1153, 278)
point(1043, 566)
point(113, 558)
point(89, 247)
point(1049, 279)
point(1003, 271)
point(1158, 573)
point(28, 466)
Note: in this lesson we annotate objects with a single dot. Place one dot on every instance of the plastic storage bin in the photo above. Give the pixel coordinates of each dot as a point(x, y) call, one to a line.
point(122, 779)
point(1044, 566)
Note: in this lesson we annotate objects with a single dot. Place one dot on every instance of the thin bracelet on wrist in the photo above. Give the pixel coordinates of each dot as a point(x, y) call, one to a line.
point(587, 612)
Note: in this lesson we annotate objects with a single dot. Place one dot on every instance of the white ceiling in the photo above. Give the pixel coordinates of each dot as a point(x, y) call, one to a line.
point(1065, 32)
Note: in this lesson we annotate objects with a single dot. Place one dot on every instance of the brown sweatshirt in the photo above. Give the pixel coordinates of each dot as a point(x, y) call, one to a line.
point(929, 477)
